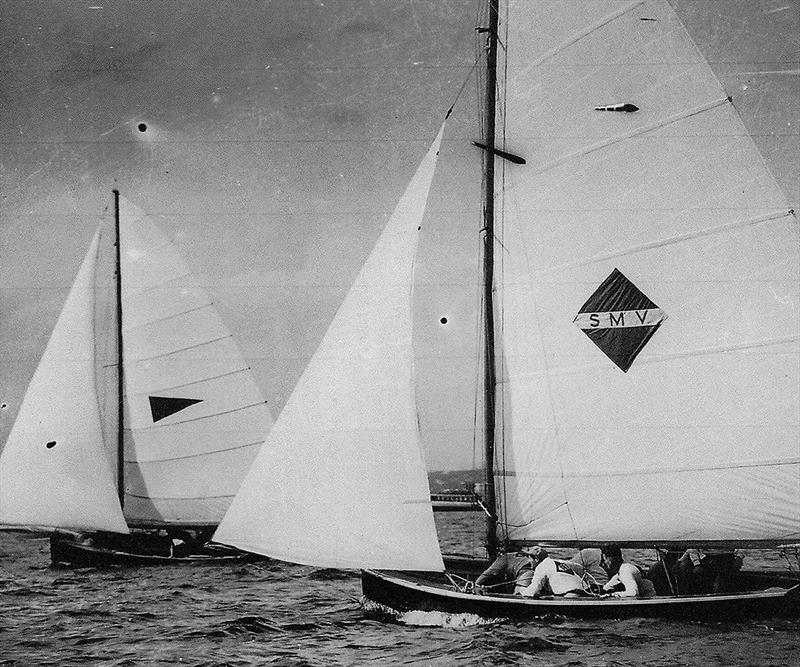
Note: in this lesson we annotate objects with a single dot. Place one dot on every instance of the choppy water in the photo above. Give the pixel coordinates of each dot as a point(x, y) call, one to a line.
point(278, 614)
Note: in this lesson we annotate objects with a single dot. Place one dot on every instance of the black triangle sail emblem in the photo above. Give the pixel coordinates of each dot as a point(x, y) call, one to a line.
point(162, 407)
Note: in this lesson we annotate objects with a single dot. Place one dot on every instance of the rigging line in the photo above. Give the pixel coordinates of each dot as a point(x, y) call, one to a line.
point(461, 90)
point(645, 129)
point(168, 317)
point(195, 456)
point(98, 384)
point(660, 243)
point(574, 474)
point(192, 383)
point(183, 349)
point(585, 32)
point(194, 419)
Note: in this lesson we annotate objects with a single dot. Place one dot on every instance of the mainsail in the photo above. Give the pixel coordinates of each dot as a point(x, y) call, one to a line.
point(340, 480)
point(196, 417)
point(53, 470)
point(650, 286)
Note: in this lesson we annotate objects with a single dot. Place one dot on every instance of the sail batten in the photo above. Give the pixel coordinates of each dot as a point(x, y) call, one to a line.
point(194, 419)
point(603, 21)
point(637, 132)
point(195, 346)
point(659, 243)
point(345, 450)
point(168, 317)
point(685, 425)
point(183, 385)
point(193, 456)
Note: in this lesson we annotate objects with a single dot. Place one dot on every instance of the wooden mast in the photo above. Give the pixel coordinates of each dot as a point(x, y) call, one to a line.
point(489, 374)
point(120, 378)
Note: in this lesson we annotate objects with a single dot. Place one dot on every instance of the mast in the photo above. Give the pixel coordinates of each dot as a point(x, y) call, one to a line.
point(488, 277)
point(120, 399)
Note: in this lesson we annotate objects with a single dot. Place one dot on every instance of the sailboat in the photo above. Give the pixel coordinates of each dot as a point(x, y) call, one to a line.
point(142, 416)
point(641, 278)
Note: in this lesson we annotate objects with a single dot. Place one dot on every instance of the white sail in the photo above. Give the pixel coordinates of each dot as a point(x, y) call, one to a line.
point(53, 470)
point(684, 426)
point(340, 481)
point(195, 414)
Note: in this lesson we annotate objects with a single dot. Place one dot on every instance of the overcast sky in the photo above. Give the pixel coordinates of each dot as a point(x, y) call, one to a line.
point(276, 137)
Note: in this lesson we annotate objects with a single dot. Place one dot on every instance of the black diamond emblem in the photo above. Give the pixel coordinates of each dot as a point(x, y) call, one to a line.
point(619, 319)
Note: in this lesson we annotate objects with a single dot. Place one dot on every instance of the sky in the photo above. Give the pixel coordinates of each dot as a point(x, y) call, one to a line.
point(270, 140)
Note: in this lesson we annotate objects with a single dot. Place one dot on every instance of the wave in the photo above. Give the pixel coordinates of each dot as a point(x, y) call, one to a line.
point(419, 618)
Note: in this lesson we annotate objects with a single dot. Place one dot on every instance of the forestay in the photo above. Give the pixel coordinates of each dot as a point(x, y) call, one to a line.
point(650, 291)
point(53, 470)
point(340, 481)
point(195, 414)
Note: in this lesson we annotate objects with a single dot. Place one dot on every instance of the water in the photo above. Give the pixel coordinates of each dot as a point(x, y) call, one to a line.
point(272, 613)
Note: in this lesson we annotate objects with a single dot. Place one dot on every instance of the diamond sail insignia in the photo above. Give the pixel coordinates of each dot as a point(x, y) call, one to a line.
point(623, 219)
point(345, 450)
point(619, 319)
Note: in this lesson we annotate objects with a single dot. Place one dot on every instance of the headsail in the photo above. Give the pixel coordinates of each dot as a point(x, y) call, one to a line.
point(699, 439)
point(53, 470)
point(340, 481)
point(195, 414)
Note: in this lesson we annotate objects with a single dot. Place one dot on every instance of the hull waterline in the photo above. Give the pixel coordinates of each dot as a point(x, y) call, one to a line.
point(70, 553)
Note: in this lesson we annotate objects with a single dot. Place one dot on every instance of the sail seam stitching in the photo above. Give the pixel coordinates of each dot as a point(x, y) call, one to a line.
point(667, 357)
point(723, 348)
point(196, 456)
point(655, 471)
point(645, 129)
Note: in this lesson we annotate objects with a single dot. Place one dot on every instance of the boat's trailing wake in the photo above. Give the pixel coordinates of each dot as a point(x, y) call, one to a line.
point(418, 618)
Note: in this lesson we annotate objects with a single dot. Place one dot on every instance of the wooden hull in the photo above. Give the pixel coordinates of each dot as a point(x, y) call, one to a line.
point(67, 552)
point(402, 591)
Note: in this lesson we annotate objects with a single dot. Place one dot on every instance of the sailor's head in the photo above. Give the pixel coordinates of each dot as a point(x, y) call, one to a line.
point(610, 558)
point(536, 552)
